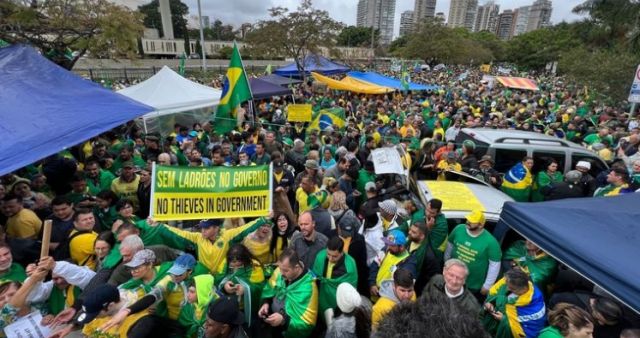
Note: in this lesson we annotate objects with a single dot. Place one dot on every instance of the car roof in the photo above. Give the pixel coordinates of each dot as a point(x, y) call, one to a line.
point(492, 136)
point(460, 198)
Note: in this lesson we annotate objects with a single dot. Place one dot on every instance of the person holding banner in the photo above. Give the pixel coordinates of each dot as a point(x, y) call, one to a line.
point(212, 243)
point(13, 297)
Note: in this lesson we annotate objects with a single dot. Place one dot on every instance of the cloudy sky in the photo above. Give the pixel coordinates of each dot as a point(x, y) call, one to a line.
point(236, 12)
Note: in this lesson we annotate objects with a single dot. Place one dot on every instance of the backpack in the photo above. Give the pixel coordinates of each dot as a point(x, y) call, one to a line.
point(63, 251)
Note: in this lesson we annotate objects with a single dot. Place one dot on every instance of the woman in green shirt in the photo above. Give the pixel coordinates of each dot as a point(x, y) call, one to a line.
point(544, 179)
point(568, 321)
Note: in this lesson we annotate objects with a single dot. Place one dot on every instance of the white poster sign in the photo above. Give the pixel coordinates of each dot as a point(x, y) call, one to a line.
point(28, 327)
point(387, 161)
point(634, 94)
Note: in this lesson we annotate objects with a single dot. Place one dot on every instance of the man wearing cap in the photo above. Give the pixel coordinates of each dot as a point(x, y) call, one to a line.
point(356, 247)
point(371, 199)
point(212, 243)
point(126, 185)
point(588, 182)
point(307, 242)
point(311, 170)
point(224, 319)
point(387, 216)
point(151, 149)
point(396, 256)
point(290, 298)
point(477, 248)
point(333, 266)
point(486, 172)
point(168, 292)
point(126, 155)
point(295, 156)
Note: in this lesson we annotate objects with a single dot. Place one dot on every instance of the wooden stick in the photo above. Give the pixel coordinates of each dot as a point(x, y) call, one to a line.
point(46, 239)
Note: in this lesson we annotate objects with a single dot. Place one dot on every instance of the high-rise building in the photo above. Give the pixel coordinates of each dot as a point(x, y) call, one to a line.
point(539, 15)
point(462, 13)
point(487, 17)
point(423, 9)
point(505, 25)
point(379, 14)
point(406, 22)
point(520, 20)
point(441, 18)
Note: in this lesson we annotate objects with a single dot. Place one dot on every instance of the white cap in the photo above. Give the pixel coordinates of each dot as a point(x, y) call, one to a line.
point(584, 164)
point(347, 298)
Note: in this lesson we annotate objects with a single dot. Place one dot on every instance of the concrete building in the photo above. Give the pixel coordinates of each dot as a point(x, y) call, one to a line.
point(165, 19)
point(423, 9)
point(487, 17)
point(539, 15)
point(441, 18)
point(406, 23)
point(462, 13)
point(504, 28)
point(520, 20)
point(379, 14)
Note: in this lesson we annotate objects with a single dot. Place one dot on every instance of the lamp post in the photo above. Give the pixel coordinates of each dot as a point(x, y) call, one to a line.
point(204, 54)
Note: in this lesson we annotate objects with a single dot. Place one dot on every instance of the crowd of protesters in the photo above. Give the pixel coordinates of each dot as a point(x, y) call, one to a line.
point(340, 255)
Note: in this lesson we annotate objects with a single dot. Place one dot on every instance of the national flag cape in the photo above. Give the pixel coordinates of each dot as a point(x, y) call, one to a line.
point(324, 118)
point(329, 286)
point(517, 183)
point(235, 91)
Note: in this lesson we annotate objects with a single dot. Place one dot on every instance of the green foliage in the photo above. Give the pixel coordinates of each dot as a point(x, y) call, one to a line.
point(535, 49)
point(67, 30)
point(352, 36)
point(225, 52)
point(179, 12)
point(294, 34)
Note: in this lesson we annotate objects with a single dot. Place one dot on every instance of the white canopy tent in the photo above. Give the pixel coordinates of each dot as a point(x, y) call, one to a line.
point(175, 99)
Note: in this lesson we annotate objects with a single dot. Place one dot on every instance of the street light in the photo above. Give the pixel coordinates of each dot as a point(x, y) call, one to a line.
point(202, 49)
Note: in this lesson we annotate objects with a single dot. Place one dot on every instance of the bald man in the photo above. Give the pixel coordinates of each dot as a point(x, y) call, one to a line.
point(308, 242)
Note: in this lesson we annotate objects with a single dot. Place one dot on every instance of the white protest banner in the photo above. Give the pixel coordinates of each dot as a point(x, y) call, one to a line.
point(28, 327)
point(387, 161)
point(634, 93)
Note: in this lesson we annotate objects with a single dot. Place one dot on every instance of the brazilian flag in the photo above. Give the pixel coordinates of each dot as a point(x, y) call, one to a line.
point(235, 91)
point(327, 117)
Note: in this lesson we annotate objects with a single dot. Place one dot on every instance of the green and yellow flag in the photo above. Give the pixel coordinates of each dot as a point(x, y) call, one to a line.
point(235, 91)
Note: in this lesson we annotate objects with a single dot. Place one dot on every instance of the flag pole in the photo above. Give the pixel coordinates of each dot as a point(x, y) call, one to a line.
point(235, 45)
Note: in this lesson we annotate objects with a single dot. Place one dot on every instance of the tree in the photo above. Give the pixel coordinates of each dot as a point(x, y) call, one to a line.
point(222, 32)
point(294, 34)
point(179, 12)
point(619, 20)
point(352, 36)
point(533, 50)
point(66, 30)
point(225, 52)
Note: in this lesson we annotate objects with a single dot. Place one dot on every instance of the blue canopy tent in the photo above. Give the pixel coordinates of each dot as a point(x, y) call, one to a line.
point(313, 63)
point(386, 81)
point(46, 108)
point(263, 89)
point(280, 80)
point(596, 237)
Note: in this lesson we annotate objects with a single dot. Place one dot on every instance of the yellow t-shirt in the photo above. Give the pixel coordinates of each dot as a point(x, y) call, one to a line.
point(302, 197)
point(329, 269)
point(259, 250)
point(126, 190)
point(25, 224)
point(81, 249)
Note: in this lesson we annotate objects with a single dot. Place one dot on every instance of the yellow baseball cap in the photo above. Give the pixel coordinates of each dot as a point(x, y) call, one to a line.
point(475, 217)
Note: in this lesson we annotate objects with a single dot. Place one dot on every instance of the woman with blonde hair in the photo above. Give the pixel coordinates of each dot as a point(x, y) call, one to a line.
point(568, 321)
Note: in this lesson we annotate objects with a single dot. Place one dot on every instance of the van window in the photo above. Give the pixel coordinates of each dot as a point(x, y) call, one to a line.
point(481, 147)
point(597, 165)
point(540, 159)
point(507, 158)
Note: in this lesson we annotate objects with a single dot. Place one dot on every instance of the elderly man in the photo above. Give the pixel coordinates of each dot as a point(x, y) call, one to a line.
point(307, 243)
point(451, 284)
point(475, 246)
point(290, 298)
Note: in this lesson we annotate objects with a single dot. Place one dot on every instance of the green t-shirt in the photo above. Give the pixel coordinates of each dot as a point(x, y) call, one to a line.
point(16, 273)
point(550, 332)
point(476, 252)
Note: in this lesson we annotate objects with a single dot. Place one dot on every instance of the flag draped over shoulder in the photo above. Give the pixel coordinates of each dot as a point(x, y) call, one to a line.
point(517, 183)
point(324, 118)
point(235, 91)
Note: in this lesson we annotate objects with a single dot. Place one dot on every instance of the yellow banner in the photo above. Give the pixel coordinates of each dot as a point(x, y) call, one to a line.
point(187, 193)
point(299, 113)
point(485, 68)
point(454, 195)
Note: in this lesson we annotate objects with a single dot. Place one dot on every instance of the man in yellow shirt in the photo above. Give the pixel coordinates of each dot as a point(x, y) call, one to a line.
point(307, 187)
point(82, 238)
point(126, 185)
point(21, 223)
point(393, 292)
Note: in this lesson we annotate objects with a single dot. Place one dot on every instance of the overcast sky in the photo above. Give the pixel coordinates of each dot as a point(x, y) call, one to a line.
point(236, 12)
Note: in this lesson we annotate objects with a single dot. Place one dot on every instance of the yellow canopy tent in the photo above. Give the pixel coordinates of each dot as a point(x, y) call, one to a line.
point(352, 85)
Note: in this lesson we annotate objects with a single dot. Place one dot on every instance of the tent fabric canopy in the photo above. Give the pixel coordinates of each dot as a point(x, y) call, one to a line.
point(597, 237)
point(313, 63)
point(385, 81)
point(262, 89)
point(280, 80)
point(168, 92)
point(352, 85)
point(46, 108)
point(517, 82)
